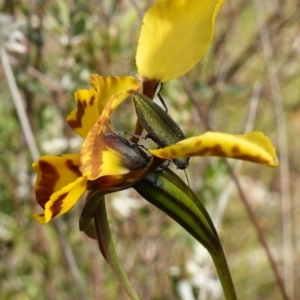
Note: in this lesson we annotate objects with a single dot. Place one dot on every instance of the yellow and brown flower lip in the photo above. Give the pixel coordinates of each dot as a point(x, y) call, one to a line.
point(251, 146)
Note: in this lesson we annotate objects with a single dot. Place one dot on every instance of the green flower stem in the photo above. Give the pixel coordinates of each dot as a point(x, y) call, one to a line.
point(108, 249)
point(168, 192)
point(224, 275)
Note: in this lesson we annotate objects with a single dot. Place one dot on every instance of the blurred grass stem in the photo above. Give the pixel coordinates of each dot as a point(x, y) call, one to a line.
point(288, 251)
point(225, 196)
point(16, 97)
point(137, 8)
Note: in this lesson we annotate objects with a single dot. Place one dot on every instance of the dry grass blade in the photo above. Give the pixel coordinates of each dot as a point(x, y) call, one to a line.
point(287, 225)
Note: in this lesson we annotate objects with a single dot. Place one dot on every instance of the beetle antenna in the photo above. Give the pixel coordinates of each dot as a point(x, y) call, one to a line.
point(161, 98)
point(118, 133)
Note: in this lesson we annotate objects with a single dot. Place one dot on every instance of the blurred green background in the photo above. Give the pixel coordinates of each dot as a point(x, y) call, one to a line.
point(248, 80)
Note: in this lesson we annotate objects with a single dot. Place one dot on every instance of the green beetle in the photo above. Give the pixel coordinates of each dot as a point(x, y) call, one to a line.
point(159, 125)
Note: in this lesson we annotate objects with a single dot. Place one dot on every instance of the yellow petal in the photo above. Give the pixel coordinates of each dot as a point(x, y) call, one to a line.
point(174, 37)
point(91, 149)
point(83, 118)
point(63, 200)
point(108, 86)
point(108, 157)
point(112, 164)
point(252, 146)
point(53, 173)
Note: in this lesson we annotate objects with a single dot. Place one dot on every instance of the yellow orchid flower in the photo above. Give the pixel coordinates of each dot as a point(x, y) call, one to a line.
point(170, 28)
point(253, 146)
point(174, 37)
point(60, 182)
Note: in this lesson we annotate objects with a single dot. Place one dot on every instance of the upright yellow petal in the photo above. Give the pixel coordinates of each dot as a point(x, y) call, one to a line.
point(83, 118)
point(91, 103)
point(114, 90)
point(91, 149)
point(174, 37)
point(252, 146)
point(108, 86)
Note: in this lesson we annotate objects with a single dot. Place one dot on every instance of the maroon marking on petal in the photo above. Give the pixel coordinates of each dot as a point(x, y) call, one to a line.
point(105, 182)
point(235, 149)
point(215, 151)
point(92, 100)
point(81, 105)
point(45, 188)
point(80, 112)
point(57, 205)
point(198, 143)
point(96, 157)
point(73, 167)
point(74, 124)
point(218, 150)
point(173, 152)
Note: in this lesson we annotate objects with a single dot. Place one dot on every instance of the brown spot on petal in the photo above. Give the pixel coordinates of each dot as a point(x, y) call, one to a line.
point(105, 182)
point(173, 152)
point(74, 124)
point(198, 144)
point(79, 114)
point(73, 167)
point(218, 150)
point(215, 151)
point(45, 188)
point(235, 149)
point(93, 81)
point(204, 151)
point(92, 100)
point(96, 158)
point(57, 205)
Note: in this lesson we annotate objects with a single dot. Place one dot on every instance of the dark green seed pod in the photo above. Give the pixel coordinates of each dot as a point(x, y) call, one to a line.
point(159, 125)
